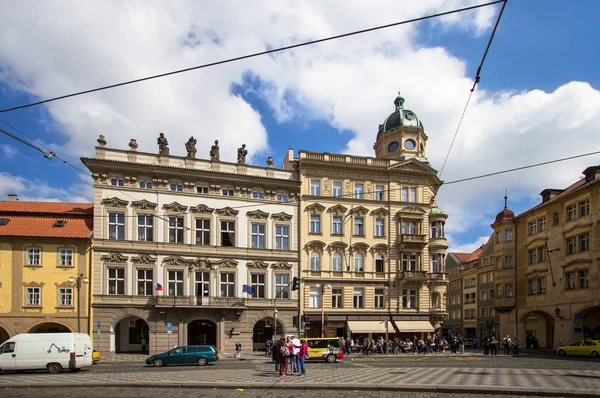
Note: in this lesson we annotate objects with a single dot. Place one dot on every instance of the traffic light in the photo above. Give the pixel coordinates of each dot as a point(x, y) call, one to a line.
point(296, 283)
point(304, 319)
point(295, 321)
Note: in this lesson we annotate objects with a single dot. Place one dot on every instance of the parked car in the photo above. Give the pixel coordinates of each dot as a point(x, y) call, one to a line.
point(95, 357)
point(589, 348)
point(327, 348)
point(185, 355)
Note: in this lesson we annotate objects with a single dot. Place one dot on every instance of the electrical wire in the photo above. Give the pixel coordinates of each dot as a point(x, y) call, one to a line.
point(257, 54)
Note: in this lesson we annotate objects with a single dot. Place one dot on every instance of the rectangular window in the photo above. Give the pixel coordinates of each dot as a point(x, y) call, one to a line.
point(508, 290)
point(436, 263)
point(359, 226)
point(227, 284)
point(177, 187)
point(541, 251)
point(508, 236)
point(281, 283)
point(65, 297)
point(315, 188)
point(359, 265)
point(409, 262)
point(202, 284)
point(379, 192)
point(409, 195)
point(116, 280)
point(571, 212)
point(571, 245)
point(315, 224)
point(359, 191)
point(336, 262)
point(258, 235)
point(203, 189)
point(145, 227)
point(257, 281)
point(336, 225)
point(584, 242)
point(228, 233)
point(541, 224)
point(570, 280)
point(145, 184)
point(541, 285)
point(409, 298)
point(409, 227)
point(65, 257)
point(532, 256)
point(176, 231)
point(492, 293)
point(379, 264)
point(116, 225)
point(379, 303)
point(282, 237)
point(582, 276)
point(203, 231)
point(145, 281)
point(508, 261)
point(532, 227)
point(483, 295)
point(175, 283)
point(336, 298)
point(315, 261)
point(337, 189)
point(584, 208)
point(380, 227)
point(531, 288)
point(497, 236)
point(225, 191)
point(555, 219)
point(483, 312)
point(281, 197)
point(258, 194)
point(33, 296)
point(359, 297)
point(117, 182)
point(315, 297)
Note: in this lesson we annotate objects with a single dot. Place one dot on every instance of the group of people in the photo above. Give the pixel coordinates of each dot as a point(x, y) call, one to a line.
point(289, 355)
point(491, 344)
point(427, 345)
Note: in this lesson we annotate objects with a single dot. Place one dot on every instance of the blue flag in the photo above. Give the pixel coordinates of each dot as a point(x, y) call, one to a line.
point(248, 289)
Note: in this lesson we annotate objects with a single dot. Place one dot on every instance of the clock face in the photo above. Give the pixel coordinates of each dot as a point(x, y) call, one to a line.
point(393, 147)
point(409, 144)
point(409, 115)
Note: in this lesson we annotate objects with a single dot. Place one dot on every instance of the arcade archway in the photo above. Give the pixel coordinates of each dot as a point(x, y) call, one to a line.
point(265, 330)
point(49, 327)
point(131, 335)
point(539, 329)
point(202, 332)
point(590, 318)
point(3, 335)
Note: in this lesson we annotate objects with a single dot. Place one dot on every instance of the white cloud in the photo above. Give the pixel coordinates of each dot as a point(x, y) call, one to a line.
point(9, 151)
point(36, 190)
point(466, 247)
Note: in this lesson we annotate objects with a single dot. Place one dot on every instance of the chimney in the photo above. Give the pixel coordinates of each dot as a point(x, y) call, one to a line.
point(12, 197)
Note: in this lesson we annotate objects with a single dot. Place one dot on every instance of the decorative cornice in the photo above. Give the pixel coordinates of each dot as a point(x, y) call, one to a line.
point(257, 215)
point(64, 284)
point(281, 216)
point(114, 202)
point(143, 259)
point(115, 258)
point(337, 246)
point(359, 247)
point(227, 211)
point(577, 225)
point(175, 260)
point(201, 209)
point(33, 284)
point(337, 210)
point(282, 265)
point(226, 263)
point(315, 245)
point(257, 264)
point(381, 212)
point(315, 208)
point(144, 205)
point(359, 211)
point(411, 209)
point(201, 263)
point(175, 207)
point(576, 261)
point(380, 248)
point(536, 271)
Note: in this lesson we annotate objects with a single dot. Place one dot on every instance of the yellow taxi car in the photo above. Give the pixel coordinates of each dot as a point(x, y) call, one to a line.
point(95, 357)
point(590, 348)
point(327, 348)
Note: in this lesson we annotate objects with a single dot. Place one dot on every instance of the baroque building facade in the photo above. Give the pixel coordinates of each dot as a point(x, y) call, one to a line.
point(372, 242)
point(44, 248)
point(190, 251)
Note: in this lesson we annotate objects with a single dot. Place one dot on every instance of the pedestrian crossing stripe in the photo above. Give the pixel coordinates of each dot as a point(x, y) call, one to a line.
point(362, 359)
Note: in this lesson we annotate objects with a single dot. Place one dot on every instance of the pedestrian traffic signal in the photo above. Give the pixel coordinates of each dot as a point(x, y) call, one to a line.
point(296, 283)
point(304, 319)
point(295, 321)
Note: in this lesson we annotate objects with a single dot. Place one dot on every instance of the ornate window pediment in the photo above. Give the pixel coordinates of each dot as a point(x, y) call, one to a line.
point(115, 258)
point(226, 263)
point(201, 209)
point(227, 211)
point(315, 245)
point(175, 207)
point(64, 284)
point(281, 216)
point(411, 210)
point(381, 212)
point(380, 248)
point(337, 210)
point(143, 205)
point(257, 264)
point(337, 246)
point(315, 208)
point(258, 214)
point(143, 259)
point(175, 260)
point(537, 271)
point(33, 284)
point(114, 202)
point(282, 265)
point(203, 263)
point(359, 211)
point(359, 247)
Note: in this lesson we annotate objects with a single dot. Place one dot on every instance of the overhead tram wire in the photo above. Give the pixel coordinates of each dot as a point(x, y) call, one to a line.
point(475, 82)
point(257, 54)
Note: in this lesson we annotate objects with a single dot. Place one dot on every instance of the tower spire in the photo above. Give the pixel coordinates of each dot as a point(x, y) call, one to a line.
point(505, 200)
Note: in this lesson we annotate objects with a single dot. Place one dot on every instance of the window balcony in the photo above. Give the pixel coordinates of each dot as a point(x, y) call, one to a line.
point(412, 276)
point(438, 243)
point(437, 277)
point(193, 301)
point(409, 239)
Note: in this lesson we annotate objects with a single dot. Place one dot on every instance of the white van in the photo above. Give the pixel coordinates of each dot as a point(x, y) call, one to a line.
point(51, 351)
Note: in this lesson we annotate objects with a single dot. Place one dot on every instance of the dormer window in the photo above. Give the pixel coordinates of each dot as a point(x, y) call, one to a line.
point(117, 182)
point(227, 191)
point(203, 189)
point(145, 184)
point(257, 194)
point(4, 221)
point(282, 197)
point(177, 187)
point(59, 224)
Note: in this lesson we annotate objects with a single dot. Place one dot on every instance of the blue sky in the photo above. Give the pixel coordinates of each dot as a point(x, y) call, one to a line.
point(538, 98)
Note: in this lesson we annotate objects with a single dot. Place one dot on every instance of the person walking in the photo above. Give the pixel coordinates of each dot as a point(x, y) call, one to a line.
point(486, 346)
point(284, 353)
point(494, 346)
point(515, 345)
point(275, 354)
point(238, 350)
point(506, 343)
point(302, 356)
point(461, 344)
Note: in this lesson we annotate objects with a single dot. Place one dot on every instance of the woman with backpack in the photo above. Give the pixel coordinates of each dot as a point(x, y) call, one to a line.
point(284, 353)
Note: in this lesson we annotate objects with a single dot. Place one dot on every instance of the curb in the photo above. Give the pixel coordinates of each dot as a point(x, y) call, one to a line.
point(492, 390)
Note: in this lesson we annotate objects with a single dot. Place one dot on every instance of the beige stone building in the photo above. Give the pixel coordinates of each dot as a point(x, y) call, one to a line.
point(372, 242)
point(191, 251)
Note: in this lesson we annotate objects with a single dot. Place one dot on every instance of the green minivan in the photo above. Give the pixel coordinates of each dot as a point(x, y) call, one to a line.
point(185, 355)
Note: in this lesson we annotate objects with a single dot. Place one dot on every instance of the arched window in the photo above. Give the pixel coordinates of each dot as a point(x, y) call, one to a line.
point(359, 262)
point(315, 261)
point(379, 263)
point(336, 264)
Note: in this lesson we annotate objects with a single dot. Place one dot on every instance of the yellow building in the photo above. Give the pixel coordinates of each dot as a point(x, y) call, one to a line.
point(550, 253)
point(44, 256)
point(372, 242)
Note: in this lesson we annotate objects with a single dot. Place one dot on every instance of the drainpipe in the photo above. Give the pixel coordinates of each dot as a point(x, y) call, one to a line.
point(516, 290)
point(298, 271)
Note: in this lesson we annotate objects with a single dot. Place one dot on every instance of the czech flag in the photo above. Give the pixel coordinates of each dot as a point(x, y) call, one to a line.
point(159, 287)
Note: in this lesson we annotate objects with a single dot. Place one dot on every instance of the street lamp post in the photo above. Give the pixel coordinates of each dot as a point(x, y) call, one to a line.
point(275, 318)
point(322, 286)
point(77, 281)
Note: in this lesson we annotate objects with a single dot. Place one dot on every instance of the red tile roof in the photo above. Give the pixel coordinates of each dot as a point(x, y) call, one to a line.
point(468, 257)
point(36, 219)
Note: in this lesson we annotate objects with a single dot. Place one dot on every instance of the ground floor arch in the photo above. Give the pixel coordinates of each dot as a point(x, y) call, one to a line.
point(539, 329)
point(590, 322)
point(131, 334)
point(202, 332)
point(3, 335)
point(264, 330)
point(50, 327)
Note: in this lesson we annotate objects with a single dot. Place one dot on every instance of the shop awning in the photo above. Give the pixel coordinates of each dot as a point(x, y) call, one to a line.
point(414, 326)
point(368, 327)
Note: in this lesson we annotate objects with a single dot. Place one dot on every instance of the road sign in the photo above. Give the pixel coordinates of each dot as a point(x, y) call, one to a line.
point(483, 328)
point(169, 328)
point(449, 328)
point(98, 325)
point(577, 321)
point(577, 315)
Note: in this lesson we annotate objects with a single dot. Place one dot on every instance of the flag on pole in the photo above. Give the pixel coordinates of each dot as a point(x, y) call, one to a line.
point(159, 287)
point(248, 289)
